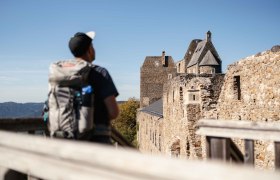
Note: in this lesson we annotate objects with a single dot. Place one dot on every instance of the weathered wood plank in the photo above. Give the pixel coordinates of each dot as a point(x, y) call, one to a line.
point(31, 125)
point(23, 124)
point(62, 159)
point(277, 155)
point(208, 147)
point(235, 154)
point(219, 148)
point(32, 178)
point(239, 129)
point(116, 136)
point(244, 124)
point(238, 133)
point(50, 168)
point(249, 156)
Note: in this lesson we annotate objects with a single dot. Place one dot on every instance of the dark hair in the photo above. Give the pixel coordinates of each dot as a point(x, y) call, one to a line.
point(79, 44)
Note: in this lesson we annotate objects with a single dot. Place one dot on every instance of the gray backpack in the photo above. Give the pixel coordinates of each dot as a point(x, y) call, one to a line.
point(70, 99)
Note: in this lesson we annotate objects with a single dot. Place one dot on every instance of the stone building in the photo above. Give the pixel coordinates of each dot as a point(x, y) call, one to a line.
point(201, 58)
point(251, 91)
point(248, 91)
point(150, 128)
point(166, 123)
point(155, 71)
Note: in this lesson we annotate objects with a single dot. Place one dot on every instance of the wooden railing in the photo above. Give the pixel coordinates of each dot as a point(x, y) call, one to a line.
point(220, 146)
point(47, 158)
point(32, 125)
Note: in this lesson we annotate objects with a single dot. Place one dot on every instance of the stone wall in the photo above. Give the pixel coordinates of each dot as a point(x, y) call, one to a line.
point(186, 99)
point(207, 69)
point(251, 91)
point(149, 135)
point(181, 66)
point(203, 69)
point(192, 69)
point(174, 123)
point(210, 96)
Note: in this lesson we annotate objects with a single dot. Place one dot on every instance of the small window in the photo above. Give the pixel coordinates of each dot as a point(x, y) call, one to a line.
point(169, 76)
point(193, 97)
point(237, 87)
point(181, 94)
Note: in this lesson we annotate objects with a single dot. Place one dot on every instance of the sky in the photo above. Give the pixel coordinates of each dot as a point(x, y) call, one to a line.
point(35, 33)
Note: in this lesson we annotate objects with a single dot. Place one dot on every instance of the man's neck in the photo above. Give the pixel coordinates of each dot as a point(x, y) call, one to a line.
point(82, 58)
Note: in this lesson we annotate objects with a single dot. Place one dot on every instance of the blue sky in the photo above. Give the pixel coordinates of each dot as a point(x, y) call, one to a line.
point(34, 33)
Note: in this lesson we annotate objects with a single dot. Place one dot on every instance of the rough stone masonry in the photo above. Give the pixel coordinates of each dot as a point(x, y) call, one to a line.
point(250, 90)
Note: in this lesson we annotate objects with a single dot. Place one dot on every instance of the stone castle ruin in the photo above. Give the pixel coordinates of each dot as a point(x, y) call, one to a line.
point(174, 96)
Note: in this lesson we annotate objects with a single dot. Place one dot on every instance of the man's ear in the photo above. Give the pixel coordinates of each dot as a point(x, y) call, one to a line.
point(88, 51)
point(89, 48)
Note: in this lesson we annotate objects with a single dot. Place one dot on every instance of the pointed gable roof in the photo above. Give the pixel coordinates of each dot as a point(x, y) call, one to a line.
point(208, 59)
point(197, 53)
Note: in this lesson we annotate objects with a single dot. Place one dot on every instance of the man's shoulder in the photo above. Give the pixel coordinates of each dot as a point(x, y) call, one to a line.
point(100, 70)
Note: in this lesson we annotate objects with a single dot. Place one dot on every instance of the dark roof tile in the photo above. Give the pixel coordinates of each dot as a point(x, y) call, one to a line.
point(155, 108)
point(208, 59)
point(197, 53)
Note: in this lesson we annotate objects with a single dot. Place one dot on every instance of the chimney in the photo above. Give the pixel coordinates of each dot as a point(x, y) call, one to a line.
point(208, 36)
point(163, 58)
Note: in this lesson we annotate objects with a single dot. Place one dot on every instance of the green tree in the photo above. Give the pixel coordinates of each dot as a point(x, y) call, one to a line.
point(126, 121)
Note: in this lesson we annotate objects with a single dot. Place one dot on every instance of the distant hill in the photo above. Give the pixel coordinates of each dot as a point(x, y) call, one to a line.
point(20, 110)
point(121, 102)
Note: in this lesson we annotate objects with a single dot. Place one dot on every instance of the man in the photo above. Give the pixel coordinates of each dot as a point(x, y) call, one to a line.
point(105, 92)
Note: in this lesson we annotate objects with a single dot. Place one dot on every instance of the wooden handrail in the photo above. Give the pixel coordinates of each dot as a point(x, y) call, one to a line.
point(23, 124)
point(239, 129)
point(37, 124)
point(63, 159)
point(116, 136)
point(219, 132)
point(235, 153)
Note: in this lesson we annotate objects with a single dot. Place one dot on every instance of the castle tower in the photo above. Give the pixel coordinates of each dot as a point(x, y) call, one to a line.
point(155, 71)
point(203, 57)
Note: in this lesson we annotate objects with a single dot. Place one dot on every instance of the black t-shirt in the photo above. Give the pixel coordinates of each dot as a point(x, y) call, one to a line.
point(103, 87)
